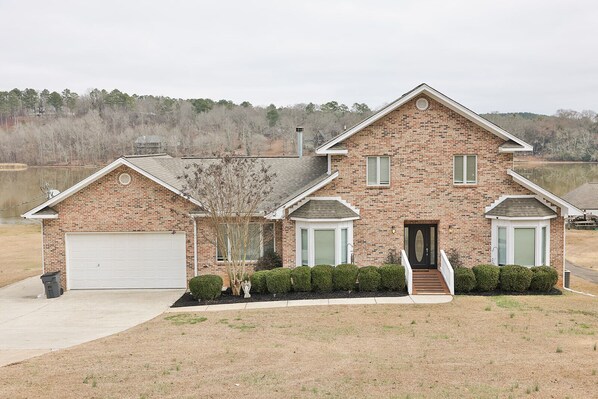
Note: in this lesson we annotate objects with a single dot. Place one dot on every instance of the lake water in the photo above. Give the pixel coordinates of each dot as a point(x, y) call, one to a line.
point(21, 191)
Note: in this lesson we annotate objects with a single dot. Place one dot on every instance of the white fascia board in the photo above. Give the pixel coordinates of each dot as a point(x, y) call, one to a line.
point(100, 173)
point(326, 220)
point(278, 213)
point(441, 98)
point(567, 209)
point(42, 216)
point(512, 150)
point(521, 218)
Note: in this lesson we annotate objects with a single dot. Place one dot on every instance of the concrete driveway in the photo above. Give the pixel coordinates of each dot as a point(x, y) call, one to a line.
point(31, 325)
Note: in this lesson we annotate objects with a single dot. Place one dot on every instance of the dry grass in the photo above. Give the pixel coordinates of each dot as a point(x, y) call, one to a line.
point(477, 347)
point(20, 246)
point(13, 166)
point(582, 248)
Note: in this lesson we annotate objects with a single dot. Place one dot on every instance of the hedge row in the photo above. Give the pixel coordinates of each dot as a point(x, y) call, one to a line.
point(514, 278)
point(326, 278)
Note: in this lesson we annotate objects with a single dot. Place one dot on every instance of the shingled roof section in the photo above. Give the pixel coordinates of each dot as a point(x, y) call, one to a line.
point(324, 209)
point(521, 207)
point(293, 175)
point(584, 197)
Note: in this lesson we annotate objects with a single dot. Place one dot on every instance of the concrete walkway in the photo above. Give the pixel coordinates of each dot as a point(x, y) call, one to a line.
point(583, 272)
point(401, 300)
point(31, 325)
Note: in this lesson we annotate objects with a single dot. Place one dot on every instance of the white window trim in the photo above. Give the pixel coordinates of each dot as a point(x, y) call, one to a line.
point(261, 243)
point(465, 182)
point(511, 225)
point(367, 167)
point(311, 227)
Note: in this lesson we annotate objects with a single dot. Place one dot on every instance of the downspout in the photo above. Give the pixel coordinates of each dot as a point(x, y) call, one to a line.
point(194, 245)
point(43, 260)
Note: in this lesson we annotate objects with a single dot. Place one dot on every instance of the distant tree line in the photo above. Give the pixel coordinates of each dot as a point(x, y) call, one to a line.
point(46, 128)
point(565, 136)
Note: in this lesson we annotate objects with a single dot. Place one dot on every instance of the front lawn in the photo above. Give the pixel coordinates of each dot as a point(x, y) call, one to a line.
point(20, 252)
point(478, 347)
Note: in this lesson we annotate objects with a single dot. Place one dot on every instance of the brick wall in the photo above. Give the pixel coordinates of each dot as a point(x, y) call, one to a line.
point(143, 205)
point(421, 145)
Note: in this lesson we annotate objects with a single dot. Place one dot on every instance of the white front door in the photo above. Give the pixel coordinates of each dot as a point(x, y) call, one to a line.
point(125, 260)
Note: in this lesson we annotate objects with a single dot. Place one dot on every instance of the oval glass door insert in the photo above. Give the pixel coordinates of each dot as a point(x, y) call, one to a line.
point(419, 245)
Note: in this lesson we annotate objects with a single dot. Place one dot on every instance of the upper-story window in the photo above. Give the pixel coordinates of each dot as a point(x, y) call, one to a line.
point(465, 169)
point(378, 171)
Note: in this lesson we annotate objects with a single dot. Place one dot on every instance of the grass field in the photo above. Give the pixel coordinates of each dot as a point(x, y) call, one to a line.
point(474, 347)
point(582, 248)
point(20, 249)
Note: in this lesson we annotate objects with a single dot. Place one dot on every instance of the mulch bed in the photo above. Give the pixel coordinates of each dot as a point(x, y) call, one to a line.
point(227, 297)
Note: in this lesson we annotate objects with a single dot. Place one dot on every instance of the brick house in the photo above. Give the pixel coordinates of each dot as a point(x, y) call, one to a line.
point(421, 177)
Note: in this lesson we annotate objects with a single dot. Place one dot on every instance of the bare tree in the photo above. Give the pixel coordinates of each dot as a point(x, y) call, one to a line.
point(231, 191)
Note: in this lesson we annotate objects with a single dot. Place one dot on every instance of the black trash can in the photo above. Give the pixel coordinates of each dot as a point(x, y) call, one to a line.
point(567, 278)
point(51, 283)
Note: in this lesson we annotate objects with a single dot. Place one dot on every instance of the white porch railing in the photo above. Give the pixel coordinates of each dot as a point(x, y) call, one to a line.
point(446, 269)
point(408, 271)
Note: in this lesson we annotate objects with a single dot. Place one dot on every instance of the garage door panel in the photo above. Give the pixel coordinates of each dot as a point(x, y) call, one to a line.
point(126, 260)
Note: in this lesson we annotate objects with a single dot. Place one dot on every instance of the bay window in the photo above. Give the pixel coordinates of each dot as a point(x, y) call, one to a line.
point(324, 243)
point(521, 242)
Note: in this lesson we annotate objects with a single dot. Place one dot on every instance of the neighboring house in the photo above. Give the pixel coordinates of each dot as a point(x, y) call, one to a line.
point(584, 197)
point(421, 176)
point(149, 145)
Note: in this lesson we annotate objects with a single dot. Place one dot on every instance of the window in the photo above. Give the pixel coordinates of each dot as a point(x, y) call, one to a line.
point(324, 247)
point(344, 246)
point(465, 169)
point(378, 171)
point(304, 252)
point(525, 247)
point(521, 242)
point(502, 246)
point(324, 243)
point(260, 240)
point(544, 245)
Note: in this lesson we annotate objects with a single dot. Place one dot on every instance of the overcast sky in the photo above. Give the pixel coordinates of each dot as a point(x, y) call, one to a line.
point(535, 56)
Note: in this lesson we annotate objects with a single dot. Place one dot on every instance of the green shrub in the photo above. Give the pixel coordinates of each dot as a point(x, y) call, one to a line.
point(321, 278)
point(258, 282)
point(543, 278)
point(278, 280)
point(301, 277)
point(515, 278)
point(392, 277)
point(206, 287)
point(270, 260)
point(344, 277)
point(486, 277)
point(369, 279)
point(464, 279)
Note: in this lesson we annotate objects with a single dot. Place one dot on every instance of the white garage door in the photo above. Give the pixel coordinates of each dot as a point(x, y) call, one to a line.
point(125, 260)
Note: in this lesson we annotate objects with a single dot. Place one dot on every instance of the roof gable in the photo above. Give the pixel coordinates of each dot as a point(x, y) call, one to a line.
point(32, 214)
point(515, 144)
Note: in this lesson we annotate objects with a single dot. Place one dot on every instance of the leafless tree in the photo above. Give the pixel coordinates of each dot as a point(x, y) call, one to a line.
point(231, 190)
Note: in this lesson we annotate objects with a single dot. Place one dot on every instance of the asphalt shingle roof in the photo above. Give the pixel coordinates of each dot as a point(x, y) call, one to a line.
point(323, 209)
point(584, 197)
point(293, 175)
point(521, 207)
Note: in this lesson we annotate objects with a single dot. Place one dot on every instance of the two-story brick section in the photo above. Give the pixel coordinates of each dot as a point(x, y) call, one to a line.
point(420, 178)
